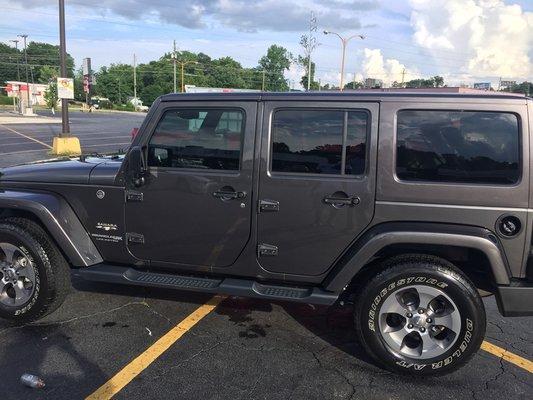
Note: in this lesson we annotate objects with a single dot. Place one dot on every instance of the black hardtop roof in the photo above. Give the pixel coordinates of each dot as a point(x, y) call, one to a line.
point(335, 95)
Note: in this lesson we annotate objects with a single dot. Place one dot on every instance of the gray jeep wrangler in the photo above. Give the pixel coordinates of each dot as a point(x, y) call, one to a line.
point(410, 206)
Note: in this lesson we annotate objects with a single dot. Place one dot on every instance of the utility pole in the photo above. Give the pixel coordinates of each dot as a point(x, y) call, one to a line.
point(344, 42)
point(63, 61)
point(264, 81)
point(174, 62)
point(28, 109)
point(353, 83)
point(64, 143)
point(403, 76)
point(16, 41)
point(134, 81)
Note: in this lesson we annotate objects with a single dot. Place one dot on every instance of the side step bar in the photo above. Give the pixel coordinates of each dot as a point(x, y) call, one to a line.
point(229, 286)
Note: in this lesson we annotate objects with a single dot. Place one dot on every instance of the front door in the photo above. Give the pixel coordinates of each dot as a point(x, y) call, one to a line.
point(195, 207)
point(317, 182)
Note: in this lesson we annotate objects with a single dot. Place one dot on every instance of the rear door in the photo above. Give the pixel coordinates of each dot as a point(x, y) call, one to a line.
point(317, 182)
point(194, 209)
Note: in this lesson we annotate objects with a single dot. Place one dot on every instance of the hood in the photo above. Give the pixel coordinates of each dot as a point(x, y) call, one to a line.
point(63, 170)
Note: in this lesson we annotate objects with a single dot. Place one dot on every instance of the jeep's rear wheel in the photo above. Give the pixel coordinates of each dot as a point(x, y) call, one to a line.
point(420, 315)
point(34, 276)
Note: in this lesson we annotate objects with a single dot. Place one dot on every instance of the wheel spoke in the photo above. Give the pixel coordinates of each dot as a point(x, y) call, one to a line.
point(20, 292)
point(7, 252)
point(26, 271)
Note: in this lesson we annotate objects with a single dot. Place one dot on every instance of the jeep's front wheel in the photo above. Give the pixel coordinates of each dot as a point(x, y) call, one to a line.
point(34, 276)
point(420, 316)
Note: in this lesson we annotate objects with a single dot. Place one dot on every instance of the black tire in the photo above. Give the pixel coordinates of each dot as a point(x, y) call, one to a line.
point(428, 271)
point(52, 273)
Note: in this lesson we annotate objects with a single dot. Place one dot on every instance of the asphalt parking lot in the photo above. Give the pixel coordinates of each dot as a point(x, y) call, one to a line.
point(98, 132)
point(242, 349)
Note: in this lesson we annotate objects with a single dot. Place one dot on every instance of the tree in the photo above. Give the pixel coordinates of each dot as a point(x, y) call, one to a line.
point(50, 95)
point(275, 63)
point(524, 87)
point(304, 63)
point(150, 93)
point(8, 64)
point(436, 81)
point(226, 73)
point(309, 44)
point(41, 55)
point(354, 85)
point(115, 83)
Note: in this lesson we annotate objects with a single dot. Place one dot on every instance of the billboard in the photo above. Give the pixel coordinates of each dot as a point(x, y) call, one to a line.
point(482, 85)
point(507, 83)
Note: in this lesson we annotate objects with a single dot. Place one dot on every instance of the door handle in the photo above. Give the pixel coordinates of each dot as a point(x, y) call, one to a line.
point(226, 194)
point(337, 201)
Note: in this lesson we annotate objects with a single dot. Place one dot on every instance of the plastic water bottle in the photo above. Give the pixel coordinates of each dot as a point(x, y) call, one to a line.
point(32, 381)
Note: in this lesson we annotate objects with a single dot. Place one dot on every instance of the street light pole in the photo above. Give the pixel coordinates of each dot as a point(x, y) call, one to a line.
point(344, 42)
point(28, 109)
point(65, 131)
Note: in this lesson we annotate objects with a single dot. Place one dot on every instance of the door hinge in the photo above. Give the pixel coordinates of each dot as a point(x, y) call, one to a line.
point(135, 238)
point(265, 250)
point(132, 195)
point(268, 205)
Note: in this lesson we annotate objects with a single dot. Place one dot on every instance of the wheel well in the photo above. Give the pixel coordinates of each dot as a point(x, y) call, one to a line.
point(9, 212)
point(472, 262)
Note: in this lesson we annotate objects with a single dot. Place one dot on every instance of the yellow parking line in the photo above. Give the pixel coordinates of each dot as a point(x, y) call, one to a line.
point(27, 137)
point(134, 368)
point(508, 356)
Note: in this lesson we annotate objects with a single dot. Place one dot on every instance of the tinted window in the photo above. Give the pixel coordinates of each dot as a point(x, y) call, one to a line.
point(356, 143)
point(458, 146)
point(312, 141)
point(198, 138)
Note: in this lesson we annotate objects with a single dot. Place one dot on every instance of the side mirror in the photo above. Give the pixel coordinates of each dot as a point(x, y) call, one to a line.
point(136, 166)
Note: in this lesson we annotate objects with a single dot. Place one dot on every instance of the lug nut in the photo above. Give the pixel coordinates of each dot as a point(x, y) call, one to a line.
point(410, 326)
point(429, 320)
point(409, 315)
point(422, 329)
point(421, 311)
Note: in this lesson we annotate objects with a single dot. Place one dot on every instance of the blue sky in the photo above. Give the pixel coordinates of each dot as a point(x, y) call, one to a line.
point(463, 40)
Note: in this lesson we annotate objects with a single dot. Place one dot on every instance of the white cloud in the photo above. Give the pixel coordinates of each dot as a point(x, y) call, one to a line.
point(486, 38)
point(374, 65)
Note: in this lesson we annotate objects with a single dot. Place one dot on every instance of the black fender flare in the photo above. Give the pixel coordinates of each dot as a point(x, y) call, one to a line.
point(58, 217)
point(397, 233)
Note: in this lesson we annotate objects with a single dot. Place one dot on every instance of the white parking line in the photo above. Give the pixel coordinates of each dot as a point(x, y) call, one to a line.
point(27, 137)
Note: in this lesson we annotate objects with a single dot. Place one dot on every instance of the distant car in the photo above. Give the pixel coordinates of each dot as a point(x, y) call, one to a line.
point(408, 206)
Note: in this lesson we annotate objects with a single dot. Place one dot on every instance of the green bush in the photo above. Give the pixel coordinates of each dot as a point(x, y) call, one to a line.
point(6, 101)
point(124, 107)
